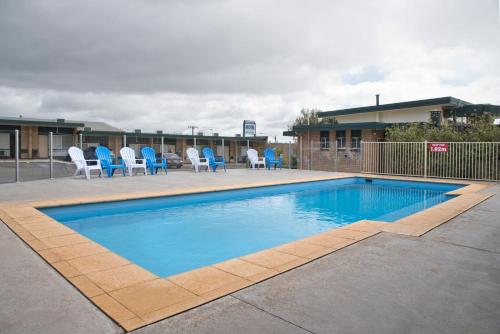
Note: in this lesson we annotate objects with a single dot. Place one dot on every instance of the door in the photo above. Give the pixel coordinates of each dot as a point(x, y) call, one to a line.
point(4, 145)
point(43, 146)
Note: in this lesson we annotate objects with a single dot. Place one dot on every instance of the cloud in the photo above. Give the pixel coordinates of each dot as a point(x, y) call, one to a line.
point(155, 64)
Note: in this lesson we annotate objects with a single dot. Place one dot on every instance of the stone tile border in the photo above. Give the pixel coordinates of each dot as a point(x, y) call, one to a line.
point(134, 297)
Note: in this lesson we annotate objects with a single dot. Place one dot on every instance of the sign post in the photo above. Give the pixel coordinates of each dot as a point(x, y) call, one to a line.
point(425, 158)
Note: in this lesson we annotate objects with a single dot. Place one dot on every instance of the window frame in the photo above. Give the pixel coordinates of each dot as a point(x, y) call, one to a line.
point(324, 141)
point(357, 140)
point(341, 139)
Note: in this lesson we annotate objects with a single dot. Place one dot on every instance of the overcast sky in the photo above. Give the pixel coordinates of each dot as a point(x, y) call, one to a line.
point(156, 64)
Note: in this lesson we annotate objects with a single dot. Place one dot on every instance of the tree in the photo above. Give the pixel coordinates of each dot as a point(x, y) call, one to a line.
point(311, 117)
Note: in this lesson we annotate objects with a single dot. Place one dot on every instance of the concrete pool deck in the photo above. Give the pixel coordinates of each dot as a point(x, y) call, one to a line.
point(58, 189)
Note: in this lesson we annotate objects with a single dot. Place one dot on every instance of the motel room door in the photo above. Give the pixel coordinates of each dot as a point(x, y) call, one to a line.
point(226, 151)
point(5, 145)
point(43, 146)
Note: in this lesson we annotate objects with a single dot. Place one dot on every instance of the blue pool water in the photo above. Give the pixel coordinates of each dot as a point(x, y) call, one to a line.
point(170, 235)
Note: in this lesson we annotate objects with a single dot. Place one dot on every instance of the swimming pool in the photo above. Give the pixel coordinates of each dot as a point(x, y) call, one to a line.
point(170, 235)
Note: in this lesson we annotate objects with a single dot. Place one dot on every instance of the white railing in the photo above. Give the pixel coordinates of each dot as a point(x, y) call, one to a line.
point(456, 160)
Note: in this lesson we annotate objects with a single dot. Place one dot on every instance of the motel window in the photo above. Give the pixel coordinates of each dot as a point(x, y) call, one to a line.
point(324, 140)
point(436, 118)
point(138, 140)
point(166, 141)
point(355, 139)
point(46, 130)
point(95, 140)
point(340, 139)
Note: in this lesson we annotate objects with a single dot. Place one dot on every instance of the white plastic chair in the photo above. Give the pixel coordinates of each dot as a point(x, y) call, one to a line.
point(254, 159)
point(128, 156)
point(196, 161)
point(76, 155)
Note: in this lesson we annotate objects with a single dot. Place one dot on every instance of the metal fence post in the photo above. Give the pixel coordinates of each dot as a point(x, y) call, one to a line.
point(289, 155)
point(124, 140)
point(51, 155)
point(248, 165)
point(425, 159)
point(162, 149)
point(361, 152)
point(310, 151)
point(223, 149)
point(194, 143)
point(300, 148)
point(81, 141)
point(17, 155)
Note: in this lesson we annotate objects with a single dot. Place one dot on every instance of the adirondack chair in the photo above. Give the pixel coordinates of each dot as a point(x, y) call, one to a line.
point(76, 155)
point(104, 155)
point(270, 157)
point(131, 162)
point(152, 162)
point(213, 161)
point(196, 161)
point(254, 159)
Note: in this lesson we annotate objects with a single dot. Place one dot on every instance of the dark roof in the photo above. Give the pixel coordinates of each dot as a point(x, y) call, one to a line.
point(39, 122)
point(289, 133)
point(168, 135)
point(104, 129)
point(337, 126)
point(101, 126)
point(448, 100)
point(477, 110)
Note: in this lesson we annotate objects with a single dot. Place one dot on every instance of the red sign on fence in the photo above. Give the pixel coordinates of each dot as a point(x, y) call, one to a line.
point(438, 147)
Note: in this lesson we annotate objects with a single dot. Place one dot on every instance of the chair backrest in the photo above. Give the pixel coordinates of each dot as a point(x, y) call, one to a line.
point(76, 155)
point(148, 153)
point(193, 155)
point(104, 154)
point(252, 155)
point(127, 154)
point(269, 153)
point(208, 153)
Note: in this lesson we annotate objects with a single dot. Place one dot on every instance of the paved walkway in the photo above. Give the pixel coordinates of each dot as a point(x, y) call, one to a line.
point(78, 187)
point(447, 281)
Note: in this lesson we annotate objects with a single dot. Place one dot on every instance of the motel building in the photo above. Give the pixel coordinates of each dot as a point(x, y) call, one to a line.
point(34, 139)
point(335, 143)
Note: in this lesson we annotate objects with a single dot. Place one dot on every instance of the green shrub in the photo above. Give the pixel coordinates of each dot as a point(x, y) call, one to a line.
point(479, 129)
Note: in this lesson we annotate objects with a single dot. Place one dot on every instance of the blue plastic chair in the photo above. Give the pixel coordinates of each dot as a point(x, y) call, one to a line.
point(213, 161)
point(104, 155)
point(152, 162)
point(269, 155)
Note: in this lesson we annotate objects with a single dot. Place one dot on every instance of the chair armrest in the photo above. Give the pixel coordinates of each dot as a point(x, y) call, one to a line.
point(98, 162)
point(103, 163)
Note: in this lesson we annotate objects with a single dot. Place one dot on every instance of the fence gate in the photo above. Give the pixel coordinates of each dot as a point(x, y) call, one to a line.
point(456, 160)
